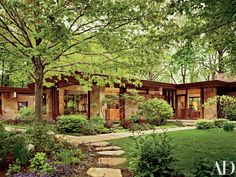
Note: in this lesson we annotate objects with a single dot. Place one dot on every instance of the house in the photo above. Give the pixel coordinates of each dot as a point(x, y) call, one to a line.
point(69, 97)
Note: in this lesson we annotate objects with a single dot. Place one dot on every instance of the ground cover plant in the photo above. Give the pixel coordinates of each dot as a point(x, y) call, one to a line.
point(191, 145)
point(35, 153)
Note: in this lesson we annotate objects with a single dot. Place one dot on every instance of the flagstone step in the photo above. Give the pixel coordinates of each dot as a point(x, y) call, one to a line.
point(111, 153)
point(100, 144)
point(107, 148)
point(111, 160)
point(104, 172)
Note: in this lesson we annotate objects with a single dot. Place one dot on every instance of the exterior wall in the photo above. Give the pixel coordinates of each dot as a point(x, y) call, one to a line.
point(10, 103)
point(48, 104)
point(97, 94)
point(211, 111)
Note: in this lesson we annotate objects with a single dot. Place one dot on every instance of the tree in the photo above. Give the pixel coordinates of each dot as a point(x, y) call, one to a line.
point(213, 21)
point(54, 37)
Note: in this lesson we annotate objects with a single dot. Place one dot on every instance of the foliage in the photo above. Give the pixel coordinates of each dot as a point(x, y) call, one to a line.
point(19, 149)
point(156, 110)
point(71, 123)
point(230, 111)
point(219, 123)
point(135, 118)
point(39, 164)
point(68, 156)
point(205, 124)
point(227, 105)
point(13, 144)
point(153, 156)
point(26, 113)
point(228, 127)
point(202, 168)
point(40, 137)
point(93, 37)
point(13, 168)
point(126, 124)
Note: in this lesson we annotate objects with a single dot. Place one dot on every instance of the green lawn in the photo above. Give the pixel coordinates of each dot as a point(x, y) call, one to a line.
point(190, 145)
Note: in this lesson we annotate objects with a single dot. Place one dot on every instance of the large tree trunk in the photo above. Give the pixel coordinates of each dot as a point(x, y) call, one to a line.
point(38, 72)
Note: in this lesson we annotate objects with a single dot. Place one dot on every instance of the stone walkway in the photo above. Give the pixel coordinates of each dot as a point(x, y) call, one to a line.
point(76, 140)
point(109, 155)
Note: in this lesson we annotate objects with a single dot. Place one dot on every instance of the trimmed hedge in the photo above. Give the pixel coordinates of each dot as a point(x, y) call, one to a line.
point(205, 124)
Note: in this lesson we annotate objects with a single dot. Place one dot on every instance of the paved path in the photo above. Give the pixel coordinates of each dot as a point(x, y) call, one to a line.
point(104, 137)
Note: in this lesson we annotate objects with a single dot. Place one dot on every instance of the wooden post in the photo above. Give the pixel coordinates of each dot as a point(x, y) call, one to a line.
point(202, 102)
point(122, 103)
point(89, 105)
point(55, 103)
point(186, 104)
point(176, 105)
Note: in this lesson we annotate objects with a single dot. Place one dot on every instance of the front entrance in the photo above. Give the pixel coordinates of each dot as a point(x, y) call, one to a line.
point(181, 109)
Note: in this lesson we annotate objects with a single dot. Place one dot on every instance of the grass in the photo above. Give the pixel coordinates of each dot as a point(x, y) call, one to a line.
point(190, 145)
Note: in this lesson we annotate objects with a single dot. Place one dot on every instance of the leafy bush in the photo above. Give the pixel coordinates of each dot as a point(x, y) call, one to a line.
point(13, 168)
point(26, 113)
point(39, 164)
point(127, 124)
point(13, 144)
point(69, 157)
point(153, 156)
point(219, 123)
point(202, 168)
point(228, 127)
point(71, 123)
point(205, 124)
point(156, 111)
point(135, 118)
point(40, 138)
point(18, 148)
point(230, 111)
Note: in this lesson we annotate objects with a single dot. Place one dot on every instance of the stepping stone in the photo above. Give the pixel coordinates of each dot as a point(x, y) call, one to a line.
point(111, 161)
point(112, 153)
point(104, 172)
point(100, 144)
point(108, 148)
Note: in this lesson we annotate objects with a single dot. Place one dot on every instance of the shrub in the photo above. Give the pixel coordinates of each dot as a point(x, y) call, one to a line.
point(228, 127)
point(156, 110)
point(230, 111)
point(40, 138)
point(18, 148)
point(153, 156)
point(127, 124)
point(205, 124)
point(26, 113)
point(13, 168)
point(69, 157)
point(71, 123)
point(219, 123)
point(39, 164)
point(202, 168)
point(135, 118)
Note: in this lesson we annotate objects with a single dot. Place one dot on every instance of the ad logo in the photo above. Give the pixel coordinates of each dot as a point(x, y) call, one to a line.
point(226, 168)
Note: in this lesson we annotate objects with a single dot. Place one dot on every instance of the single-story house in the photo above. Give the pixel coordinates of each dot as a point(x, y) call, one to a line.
point(67, 96)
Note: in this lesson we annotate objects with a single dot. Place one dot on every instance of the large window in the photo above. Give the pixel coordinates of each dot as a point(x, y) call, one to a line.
point(22, 104)
point(76, 103)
